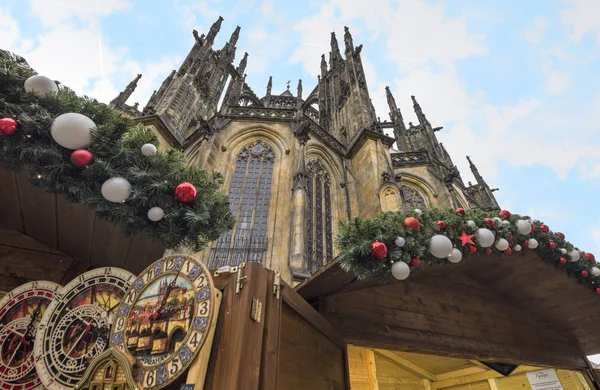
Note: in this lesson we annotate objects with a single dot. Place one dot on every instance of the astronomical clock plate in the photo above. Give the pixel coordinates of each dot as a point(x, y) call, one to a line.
point(165, 318)
point(21, 312)
point(76, 326)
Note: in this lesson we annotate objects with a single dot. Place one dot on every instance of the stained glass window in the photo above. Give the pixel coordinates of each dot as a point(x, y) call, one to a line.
point(412, 199)
point(319, 230)
point(249, 196)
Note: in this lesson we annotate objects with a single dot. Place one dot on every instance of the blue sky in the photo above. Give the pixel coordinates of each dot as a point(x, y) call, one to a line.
point(514, 83)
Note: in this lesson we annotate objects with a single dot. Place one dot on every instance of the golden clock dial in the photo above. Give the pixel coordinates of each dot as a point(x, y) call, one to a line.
point(21, 311)
point(76, 326)
point(164, 318)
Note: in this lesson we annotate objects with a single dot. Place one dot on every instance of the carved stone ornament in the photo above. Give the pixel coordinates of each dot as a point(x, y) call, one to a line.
point(110, 370)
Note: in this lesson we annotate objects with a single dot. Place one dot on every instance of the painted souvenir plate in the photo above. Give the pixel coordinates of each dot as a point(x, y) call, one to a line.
point(21, 311)
point(76, 326)
point(164, 319)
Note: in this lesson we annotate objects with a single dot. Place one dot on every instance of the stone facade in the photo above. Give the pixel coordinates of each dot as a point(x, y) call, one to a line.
point(293, 166)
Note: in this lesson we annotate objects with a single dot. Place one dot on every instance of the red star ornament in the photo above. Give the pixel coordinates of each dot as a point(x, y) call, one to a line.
point(466, 239)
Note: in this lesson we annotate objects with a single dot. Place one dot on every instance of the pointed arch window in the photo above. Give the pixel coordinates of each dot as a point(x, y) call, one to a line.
point(412, 199)
point(249, 197)
point(320, 245)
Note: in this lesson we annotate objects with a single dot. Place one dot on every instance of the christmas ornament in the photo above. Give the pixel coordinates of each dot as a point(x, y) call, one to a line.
point(584, 273)
point(441, 225)
point(526, 244)
point(504, 214)
point(40, 85)
point(533, 243)
point(590, 257)
point(497, 221)
point(489, 221)
point(81, 158)
point(544, 228)
point(511, 237)
point(505, 223)
point(466, 239)
point(378, 250)
point(471, 224)
point(485, 237)
point(595, 271)
point(472, 249)
point(185, 192)
point(400, 270)
point(563, 261)
point(597, 290)
point(508, 251)
point(502, 244)
point(415, 262)
point(517, 248)
point(488, 251)
point(563, 251)
point(574, 255)
point(560, 235)
point(551, 245)
point(440, 246)
point(532, 227)
point(148, 150)
point(155, 214)
point(116, 189)
point(460, 210)
point(400, 241)
point(7, 126)
point(72, 130)
point(412, 223)
point(523, 227)
point(418, 211)
point(455, 256)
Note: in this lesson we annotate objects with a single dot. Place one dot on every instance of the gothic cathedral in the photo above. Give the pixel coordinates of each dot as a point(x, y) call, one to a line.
point(295, 165)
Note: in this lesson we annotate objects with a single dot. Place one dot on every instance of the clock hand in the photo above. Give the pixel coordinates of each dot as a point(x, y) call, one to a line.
point(14, 353)
point(168, 290)
point(87, 329)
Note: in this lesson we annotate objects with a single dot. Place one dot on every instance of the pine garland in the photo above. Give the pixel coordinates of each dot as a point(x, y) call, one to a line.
point(357, 235)
point(115, 145)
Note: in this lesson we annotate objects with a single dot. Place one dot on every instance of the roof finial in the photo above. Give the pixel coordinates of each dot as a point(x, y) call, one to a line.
point(288, 84)
point(214, 29)
point(269, 85)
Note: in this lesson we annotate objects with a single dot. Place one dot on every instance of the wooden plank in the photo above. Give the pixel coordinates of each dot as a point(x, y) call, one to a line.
point(39, 212)
point(109, 246)
point(482, 376)
point(269, 360)
point(142, 251)
point(10, 205)
point(405, 364)
point(33, 265)
point(493, 383)
point(371, 369)
point(459, 373)
point(75, 229)
point(327, 280)
point(8, 283)
point(16, 239)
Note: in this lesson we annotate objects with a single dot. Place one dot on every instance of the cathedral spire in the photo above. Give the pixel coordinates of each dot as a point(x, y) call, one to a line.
point(299, 89)
point(348, 41)
point(476, 173)
point(323, 66)
point(269, 85)
point(420, 115)
point(214, 29)
point(242, 66)
point(395, 114)
point(235, 36)
point(335, 50)
point(120, 100)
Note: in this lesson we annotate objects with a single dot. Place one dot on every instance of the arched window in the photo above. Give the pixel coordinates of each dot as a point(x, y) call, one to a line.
point(320, 245)
point(412, 199)
point(249, 195)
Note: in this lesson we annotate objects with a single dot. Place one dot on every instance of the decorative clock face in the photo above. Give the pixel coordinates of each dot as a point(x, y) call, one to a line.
point(76, 326)
point(21, 311)
point(164, 318)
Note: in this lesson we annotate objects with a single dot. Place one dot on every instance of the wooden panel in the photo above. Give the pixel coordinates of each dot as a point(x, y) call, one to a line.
point(32, 265)
point(142, 252)
point(38, 209)
point(110, 246)
point(75, 229)
point(269, 360)
point(10, 206)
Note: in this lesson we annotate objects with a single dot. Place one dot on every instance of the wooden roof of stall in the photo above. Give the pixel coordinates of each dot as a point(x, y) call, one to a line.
point(43, 237)
point(514, 309)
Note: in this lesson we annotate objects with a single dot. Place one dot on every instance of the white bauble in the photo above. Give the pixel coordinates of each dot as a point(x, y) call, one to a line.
point(501, 244)
point(400, 241)
point(72, 130)
point(400, 270)
point(563, 251)
point(523, 227)
point(533, 243)
point(574, 255)
point(418, 211)
point(471, 224)
point(595, 271)
point(148, 150)
point(505, 223)
point(155, 214)
point(41, 85)
point(517, 248)
point(116, 189)
point(485, 237)
point(440, 246)
point(455, 256)
point(497, 221)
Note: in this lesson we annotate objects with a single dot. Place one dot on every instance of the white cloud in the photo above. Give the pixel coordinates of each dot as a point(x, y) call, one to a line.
point(536, 33)
point(558, 82)
point(55, 12)
point(583, 16)
point(10, 34)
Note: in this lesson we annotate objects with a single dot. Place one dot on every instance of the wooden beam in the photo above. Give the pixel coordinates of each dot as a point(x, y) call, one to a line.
point(459, 373)
point(479, 364)
point(493, 384)
point(371, 367)
point(407, 365)
point(426, 384)
point(479, 377)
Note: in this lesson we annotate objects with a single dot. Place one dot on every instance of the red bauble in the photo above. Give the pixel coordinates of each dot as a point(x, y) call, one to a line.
point(81, 158)
point(489, 221)
point(511, 238)
point(185, 192)
point(7, 126)
point(508, 251)
point(415, 262)
point(551, 245)
point(460, 210)
point(532, 227)
point(584, 273)
point(590, 257)
point(560, 235)
point(378, 250)
point(488, 251)
point(563, 261)
point(526, 244)
point(472, 249)
point(441, 225)
point(544, 228)
point(412, 223)
point(597, 290)
point(504, 214)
